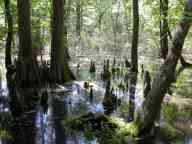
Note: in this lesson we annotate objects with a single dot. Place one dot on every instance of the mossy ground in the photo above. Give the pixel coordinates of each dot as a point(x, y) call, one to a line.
point(104, 128)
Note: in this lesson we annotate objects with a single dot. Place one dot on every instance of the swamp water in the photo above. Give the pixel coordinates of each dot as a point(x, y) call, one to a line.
point(73, 100)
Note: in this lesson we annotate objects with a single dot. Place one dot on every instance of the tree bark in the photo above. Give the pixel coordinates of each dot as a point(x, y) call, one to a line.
point(66, 23)
point(9, 23)
point(78, 18)
point(27, 72)
point(163, 28)
point(135, 37)
point(60, 70)
point(165, 76)
point(184, 63)
point(24, 21)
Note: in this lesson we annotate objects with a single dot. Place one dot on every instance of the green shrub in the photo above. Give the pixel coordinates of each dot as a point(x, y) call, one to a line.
point(170, 112)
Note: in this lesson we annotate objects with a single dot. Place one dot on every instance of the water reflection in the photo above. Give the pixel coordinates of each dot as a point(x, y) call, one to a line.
point(59, 113)
point(23, 110)
point(30, 125)
point(132, 90)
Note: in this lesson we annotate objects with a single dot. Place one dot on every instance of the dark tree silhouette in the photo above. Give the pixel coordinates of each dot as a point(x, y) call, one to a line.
point(9, 23)
point(60, 71)
point(27, 72)
point(134, 55)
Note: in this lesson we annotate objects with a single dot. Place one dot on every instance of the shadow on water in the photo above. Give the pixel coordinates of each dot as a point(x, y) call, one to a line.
point(23, 110)
point(59, 113)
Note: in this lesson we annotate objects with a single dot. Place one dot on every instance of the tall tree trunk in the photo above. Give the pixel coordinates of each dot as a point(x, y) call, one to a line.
point(37, 37)
point(66, 23)
point(60, 70)
point(9, 23)
point(27, 69)
point(78, 18)
point(25, 40)
point(134, 56)
point(165, 76)
point(114, 32)
point(163, 28)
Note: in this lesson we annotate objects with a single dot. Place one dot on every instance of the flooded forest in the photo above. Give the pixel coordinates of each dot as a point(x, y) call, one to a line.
point(95, 72)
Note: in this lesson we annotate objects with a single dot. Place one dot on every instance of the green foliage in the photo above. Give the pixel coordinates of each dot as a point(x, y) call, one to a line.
point(4, 135)
point(170, 112)
point(89, 134)
point(170, 134)
point(124, 109)
point(183, 85)
point(175, 10)
point(6, 120)
point(93, 10)
point(105, 129)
